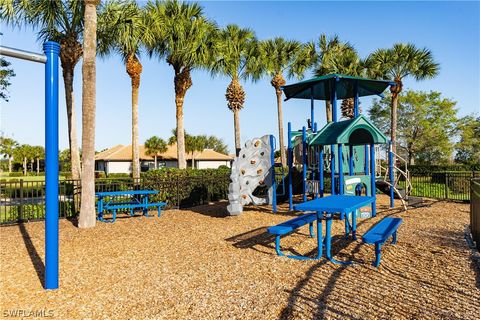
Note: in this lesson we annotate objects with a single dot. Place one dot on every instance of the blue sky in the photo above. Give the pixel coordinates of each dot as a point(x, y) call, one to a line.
point(451, 30)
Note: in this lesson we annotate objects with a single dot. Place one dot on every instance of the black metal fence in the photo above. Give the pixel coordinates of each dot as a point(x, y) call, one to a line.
point(442, 185)
point(475, 210)
point(25, 200)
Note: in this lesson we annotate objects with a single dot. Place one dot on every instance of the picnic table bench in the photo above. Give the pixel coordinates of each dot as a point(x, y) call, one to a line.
point(126, 200)
point(379, 234)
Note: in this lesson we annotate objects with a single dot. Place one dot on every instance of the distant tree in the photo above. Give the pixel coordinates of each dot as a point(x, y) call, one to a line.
point(397, 63)
point(7, 148)
point(154, 146)
point(468, 148)
point(187, 39)
point(426, 125)
point(38, 152)
point(194, 144)
point(216, 144)
point(285, 58)
point(21, 154)
point(5, 74)
point(238, 60)
point(64, 159)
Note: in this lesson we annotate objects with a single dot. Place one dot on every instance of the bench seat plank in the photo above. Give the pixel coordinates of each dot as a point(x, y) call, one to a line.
point(290, 225)
point(381, 231)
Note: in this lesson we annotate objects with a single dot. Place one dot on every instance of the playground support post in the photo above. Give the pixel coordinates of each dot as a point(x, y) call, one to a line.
point(50, 59)
point(391, 175)
point(334, 100)
point(320, 169)
point(274, 182)
point(304, 162)
point(355, 101)
point(312, 105)
point(340, 169)
point(372, 177)
point(290, 162)
point(332, 168)
point(350, 160)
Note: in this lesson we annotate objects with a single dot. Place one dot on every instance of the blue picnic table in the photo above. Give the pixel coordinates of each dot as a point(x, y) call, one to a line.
point(126, 200)
point(325, 208)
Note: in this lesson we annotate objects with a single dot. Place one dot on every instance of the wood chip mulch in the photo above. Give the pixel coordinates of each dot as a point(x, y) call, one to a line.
point(201, 264)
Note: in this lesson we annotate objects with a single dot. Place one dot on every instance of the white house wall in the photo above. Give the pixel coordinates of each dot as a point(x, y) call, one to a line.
point(119, 167)
point(202, 164)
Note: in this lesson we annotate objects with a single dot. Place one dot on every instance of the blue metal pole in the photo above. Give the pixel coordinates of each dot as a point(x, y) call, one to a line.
point(372, 179)
point(312, 105)
point(320, 169)
point(340, 169)
point(52, 51)
point(304, 162)
point(366, 160)
point(391, 176)
point(290, 167)
point(350, 160)
point(355, 101)
point(274, 183)
point(332, 168)
point(334, 101)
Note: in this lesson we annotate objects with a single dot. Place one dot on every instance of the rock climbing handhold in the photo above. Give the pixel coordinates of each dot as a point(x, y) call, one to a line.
point(259, 171)
point(252, 161)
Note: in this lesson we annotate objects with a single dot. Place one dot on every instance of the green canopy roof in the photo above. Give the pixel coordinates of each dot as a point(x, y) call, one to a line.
point(358, 131)
point(322, 87)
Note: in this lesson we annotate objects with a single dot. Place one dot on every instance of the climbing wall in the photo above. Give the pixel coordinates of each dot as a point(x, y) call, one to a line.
point(249, 170)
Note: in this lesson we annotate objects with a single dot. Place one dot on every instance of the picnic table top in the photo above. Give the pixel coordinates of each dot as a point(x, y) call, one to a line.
point(126, 192)
point(336, 203)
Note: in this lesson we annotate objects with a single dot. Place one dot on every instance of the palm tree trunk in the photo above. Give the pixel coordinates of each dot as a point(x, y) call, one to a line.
point(280, 127)
point(328, 110)
point(236, 124)
point(72, 122)
point(134, 69)
point(87, 210)
point(9, 164)
point(24, 166)
point(182, 163)
point(156, 167)
point(38, 166)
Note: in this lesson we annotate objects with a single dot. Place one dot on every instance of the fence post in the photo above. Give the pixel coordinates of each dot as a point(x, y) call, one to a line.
point(20, 207)
point(446, 185)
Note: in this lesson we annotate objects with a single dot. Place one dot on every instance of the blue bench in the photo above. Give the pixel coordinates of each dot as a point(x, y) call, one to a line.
point(290, 226)
point(379, 234)
point(132, 206)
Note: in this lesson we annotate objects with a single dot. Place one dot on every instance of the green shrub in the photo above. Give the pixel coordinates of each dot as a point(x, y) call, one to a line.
point(119, 175)
point(15, 174)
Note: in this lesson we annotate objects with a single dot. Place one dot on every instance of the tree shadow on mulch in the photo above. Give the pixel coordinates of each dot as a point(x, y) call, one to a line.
point(295, 303)
point(33, 253)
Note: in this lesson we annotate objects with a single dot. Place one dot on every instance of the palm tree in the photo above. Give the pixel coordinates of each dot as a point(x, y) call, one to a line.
point(195, 144)
point(341, 58)
point(87, 209)
point(335, 56)
point(120, 30)
point(181, 34)
point(238, 60)
point(22, 152)
point(155, 146)
point(38, 153)
point(280, 56)
point(7, 148)
point(397, 63)
point(60, 21)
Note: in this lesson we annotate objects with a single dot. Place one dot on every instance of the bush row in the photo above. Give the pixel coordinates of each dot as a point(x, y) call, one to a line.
point(425, 169)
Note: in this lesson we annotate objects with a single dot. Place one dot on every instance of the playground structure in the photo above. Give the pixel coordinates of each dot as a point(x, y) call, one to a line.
point(254, 167)
point(50, 59)
point(353, 144)
point(349, 151)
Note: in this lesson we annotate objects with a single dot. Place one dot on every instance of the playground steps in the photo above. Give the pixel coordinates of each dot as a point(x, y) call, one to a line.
point(384, 186)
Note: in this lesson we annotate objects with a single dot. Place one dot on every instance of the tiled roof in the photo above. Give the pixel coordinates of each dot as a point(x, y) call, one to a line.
point(124, 153)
